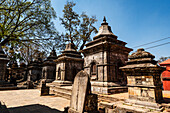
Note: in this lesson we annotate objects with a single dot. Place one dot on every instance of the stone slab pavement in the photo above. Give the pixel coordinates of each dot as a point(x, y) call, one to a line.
point(30, 101)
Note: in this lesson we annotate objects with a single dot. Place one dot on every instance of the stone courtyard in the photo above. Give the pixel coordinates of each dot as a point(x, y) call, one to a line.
point(30, 101)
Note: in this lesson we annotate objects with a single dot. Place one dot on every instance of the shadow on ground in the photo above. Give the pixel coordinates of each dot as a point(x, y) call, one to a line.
point(166, 100)
point(34, 108)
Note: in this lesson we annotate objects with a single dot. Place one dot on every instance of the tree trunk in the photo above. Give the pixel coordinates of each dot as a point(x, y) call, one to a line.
point(4, 41)
point(82, 46)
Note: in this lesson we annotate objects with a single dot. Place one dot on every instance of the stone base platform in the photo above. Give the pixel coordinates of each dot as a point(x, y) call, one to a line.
point(96, 87)
point(107, 88)
point(7, 86)
point(65, 92)
point(123, 107)
point(128, 108)
point(61, 91)
point(61, 83)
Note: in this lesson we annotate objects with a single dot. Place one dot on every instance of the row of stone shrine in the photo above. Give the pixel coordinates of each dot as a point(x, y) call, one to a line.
point(102, 58)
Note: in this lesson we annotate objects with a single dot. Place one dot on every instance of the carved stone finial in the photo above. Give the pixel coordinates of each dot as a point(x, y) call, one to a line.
point(104, 19)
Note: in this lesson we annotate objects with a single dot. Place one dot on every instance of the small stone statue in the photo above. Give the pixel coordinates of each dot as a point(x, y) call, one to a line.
point(44, 88)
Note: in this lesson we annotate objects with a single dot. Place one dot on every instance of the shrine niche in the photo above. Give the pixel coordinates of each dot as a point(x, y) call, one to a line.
point(93, 70)
point(102, 58)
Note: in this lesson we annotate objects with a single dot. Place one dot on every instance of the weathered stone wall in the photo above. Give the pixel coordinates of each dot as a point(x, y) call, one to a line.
point(72, 68)
point(98, 58)
point(20, 74)
point(69, 69)
point(35, 74)
point(108, 63)
point(149, 90)
point(3, 70)
point(140, 80)
point(116, 60)
point(49, 72)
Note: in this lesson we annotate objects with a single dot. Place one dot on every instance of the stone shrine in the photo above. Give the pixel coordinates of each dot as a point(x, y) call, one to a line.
point(3, 66)
point(19, 73)
point(166, 75)
point(144, 83)
point(49, 67)
point(102, 58)
point(143, 76)
point(68, 64)
point(81, 99)
point(35, 69)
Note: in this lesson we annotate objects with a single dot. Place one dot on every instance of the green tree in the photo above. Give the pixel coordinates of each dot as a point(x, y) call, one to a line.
point(78, 27)
point(70, 21)
point(161, 59)
point(86, 29)
point(26, 22)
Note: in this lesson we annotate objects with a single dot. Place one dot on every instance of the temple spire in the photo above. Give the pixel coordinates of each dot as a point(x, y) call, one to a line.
point(104, 19)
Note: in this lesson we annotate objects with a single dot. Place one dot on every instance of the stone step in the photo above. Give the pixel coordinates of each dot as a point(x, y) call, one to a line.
point(102, 98)
point(9, 88)
point(60, 94)
point(6, 85)
point(61, 89)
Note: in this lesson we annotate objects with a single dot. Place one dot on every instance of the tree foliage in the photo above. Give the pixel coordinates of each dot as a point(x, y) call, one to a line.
point(70, 21)
point(26, 22)
point(86, 29)
point(161, 59)
point(78, 27)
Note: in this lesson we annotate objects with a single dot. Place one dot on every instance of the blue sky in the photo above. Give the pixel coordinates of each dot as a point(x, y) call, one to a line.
point(133, 21)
